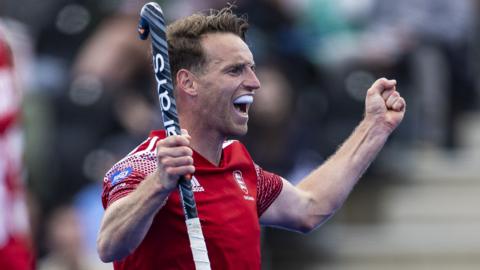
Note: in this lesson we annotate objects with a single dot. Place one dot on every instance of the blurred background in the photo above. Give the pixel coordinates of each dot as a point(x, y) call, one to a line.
point(88, 99)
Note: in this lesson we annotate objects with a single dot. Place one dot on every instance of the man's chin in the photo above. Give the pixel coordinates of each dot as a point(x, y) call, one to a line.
point(239, 131)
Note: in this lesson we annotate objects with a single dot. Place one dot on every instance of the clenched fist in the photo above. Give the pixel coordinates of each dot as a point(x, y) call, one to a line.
point(174, 157)
point(384, 105)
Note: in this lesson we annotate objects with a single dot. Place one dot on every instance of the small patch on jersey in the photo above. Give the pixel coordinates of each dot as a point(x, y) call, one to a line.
point(196, 187)
point(120, 175)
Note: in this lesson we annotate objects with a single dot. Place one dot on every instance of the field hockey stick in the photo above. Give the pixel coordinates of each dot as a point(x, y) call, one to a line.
point(153, 22)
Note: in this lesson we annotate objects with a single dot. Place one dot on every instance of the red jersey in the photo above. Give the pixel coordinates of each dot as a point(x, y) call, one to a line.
point(230, 199)
point(14, 227)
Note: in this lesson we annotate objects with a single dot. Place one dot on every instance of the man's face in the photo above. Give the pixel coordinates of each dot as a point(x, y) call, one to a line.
point(226, 84)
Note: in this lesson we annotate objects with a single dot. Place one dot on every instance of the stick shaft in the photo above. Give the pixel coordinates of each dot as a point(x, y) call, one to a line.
point(152, 19)
point(152, 22)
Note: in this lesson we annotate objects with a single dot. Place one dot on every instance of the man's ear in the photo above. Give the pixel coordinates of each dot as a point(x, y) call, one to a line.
point(186, 82)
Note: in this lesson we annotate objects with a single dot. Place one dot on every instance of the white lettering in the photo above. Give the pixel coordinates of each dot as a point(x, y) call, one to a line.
point(170, 127)
point(121, 175)
point(196, 187)
point(158, 66)
point(158, 57)
point(168, 123)
point(171, 131)
point(165, 101)
point(248, 198)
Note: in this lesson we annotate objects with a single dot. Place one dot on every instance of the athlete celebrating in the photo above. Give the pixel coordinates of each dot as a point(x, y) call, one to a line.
point(214, 76)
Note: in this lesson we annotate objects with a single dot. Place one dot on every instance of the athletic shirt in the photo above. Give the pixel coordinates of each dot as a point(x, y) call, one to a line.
point(230, 199)
point(14, 224)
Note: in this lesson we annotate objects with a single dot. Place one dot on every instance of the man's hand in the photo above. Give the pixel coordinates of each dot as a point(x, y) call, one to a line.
point(384, 105)
point(174, 159)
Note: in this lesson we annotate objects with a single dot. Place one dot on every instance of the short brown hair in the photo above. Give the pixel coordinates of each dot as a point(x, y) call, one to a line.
point(184, 35)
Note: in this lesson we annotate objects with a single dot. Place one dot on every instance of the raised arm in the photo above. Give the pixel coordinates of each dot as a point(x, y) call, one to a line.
point(317, 197)
point(127, 220)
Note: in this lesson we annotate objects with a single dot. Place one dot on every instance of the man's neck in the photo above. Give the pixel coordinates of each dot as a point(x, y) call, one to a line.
point(206, 142)
point(210, 150)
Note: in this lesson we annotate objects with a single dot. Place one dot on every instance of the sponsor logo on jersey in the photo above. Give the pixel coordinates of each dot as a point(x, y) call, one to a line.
point(121, 175)
point(196, 187)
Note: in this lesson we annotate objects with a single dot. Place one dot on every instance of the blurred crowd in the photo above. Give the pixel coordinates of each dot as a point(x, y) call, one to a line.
point(88, 91)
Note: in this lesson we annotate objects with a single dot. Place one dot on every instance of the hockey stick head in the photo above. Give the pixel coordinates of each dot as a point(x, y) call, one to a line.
point(143, 25)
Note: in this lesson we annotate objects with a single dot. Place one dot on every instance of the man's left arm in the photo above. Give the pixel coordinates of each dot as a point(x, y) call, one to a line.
point(317, 197)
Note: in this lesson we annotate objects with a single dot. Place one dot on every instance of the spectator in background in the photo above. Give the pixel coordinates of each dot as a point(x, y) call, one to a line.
point(422, 41)
point(113, 59)
point(15, 232)
point(66, 243)
point(118, 62)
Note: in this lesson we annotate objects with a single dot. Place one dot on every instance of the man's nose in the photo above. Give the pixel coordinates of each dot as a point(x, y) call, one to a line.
point(252, 82)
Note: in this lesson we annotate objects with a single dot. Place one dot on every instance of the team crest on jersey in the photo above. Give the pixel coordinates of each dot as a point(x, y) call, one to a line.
point(120, 175)
point(196, 187)
point(237, 175)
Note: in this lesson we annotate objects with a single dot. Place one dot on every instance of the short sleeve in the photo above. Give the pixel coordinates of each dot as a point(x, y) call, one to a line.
point(269, 186)
point(126, 175)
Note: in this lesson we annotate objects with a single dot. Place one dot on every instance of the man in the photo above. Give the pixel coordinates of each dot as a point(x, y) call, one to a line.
point(143, 225)
point(15, 243)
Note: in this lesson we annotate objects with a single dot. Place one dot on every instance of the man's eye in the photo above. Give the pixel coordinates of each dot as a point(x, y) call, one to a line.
point(236, 70)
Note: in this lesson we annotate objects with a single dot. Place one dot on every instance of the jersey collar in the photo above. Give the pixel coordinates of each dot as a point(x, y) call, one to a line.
point(198, 159)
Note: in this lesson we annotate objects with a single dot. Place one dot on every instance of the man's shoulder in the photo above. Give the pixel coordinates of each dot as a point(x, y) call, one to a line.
point(148, 145)
point(141, 159)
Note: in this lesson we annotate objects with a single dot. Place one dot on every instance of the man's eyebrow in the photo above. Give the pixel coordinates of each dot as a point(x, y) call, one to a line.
point(240, 64)
point(212, 61)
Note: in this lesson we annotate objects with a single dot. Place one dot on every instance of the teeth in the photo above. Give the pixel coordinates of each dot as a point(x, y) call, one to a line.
point(246, 99)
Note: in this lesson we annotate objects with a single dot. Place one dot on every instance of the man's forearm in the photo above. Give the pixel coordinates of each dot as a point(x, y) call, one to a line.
point(330, 184)
point(127, 221)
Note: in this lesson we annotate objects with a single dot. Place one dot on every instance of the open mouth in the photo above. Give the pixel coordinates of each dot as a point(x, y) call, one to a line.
point(241, 107)
point(242, 103)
